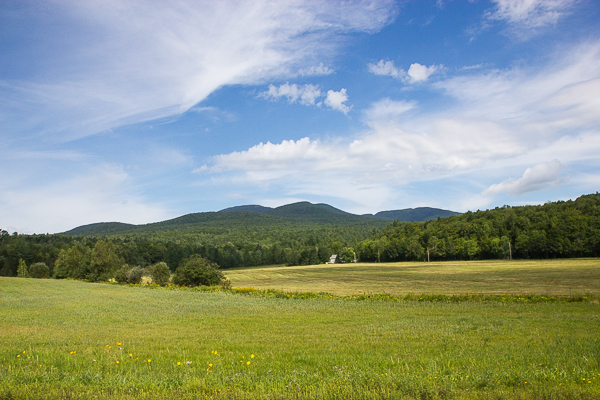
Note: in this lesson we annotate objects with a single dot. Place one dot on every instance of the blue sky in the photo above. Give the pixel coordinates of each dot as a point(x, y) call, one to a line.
point(140, 111)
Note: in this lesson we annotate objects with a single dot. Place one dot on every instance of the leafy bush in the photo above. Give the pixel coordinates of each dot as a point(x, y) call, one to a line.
point(127, 274)
point(161, 274)
point(39, 270)
point(121, 274)
point(197, 271)
point(134, 275)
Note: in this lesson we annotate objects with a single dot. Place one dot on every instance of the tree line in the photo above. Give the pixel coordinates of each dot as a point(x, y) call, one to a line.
point(553, 230)
point(561, 229)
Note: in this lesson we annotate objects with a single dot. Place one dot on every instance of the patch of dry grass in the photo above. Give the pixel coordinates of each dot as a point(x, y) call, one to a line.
point(553, 277)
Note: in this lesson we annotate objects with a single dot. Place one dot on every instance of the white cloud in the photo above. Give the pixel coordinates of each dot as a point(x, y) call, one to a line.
point(530, 96)
point(387, 68)
point(306, 94)
point(320, 69)
point(527, 16)
point(336, 100)
point(388, 109)
point(269, 156)
point(138, 61)
point(420, 73)
point(539, 177)
point(416, 72)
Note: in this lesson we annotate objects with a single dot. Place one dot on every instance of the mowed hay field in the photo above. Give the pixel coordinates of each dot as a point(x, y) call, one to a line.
point(77, 340)
point(553, 277)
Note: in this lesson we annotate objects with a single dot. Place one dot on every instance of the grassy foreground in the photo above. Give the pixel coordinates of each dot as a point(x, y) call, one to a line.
point(561, 277)
point(69, 339)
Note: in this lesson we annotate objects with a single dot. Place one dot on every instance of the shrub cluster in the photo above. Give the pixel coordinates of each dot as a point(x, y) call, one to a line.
point(198, 271)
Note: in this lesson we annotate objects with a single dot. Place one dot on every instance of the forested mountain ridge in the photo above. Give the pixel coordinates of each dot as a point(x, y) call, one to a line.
point(303, 212)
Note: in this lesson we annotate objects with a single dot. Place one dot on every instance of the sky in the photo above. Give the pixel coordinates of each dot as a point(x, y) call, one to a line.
point(141, 111)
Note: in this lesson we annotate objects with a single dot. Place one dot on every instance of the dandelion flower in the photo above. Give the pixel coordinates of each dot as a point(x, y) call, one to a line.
point(130, 355)
point(149, 360)
point(23, 351)
point(18, 355)
point(248, 363)
point(117, 362)
point(252, 356)
point(210, 365)
point(118, 343)
point(178, 363)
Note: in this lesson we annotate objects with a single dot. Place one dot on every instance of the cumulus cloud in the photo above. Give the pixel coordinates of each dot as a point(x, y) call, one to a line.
point(336, 100)
point(387, 68)
point(269, 156)
point(420, 73)
point(155, 59)
point(416, 72)
point(306, 94)
point(539, 177)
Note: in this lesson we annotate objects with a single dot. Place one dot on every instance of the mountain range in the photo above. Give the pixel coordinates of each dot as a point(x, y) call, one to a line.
point(256, 215)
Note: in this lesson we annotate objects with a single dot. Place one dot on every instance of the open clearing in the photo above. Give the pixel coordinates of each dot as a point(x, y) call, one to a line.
point(71, 339)
point(553, 277)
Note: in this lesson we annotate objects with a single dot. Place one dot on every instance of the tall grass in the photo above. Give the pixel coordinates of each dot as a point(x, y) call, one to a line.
point(69, 339)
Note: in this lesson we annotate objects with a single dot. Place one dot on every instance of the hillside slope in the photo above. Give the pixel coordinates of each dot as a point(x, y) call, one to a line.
point(418, 214)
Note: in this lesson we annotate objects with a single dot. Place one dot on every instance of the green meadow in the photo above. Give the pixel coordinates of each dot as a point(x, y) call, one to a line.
point(75, 340)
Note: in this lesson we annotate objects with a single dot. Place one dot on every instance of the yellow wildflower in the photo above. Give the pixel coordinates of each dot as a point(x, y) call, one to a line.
point(252, 356)
point(248, 363)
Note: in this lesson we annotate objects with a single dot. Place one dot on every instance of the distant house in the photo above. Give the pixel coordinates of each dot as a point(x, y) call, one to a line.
point(334, 259)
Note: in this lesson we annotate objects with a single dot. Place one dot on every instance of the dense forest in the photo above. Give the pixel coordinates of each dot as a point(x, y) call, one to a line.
point(554, 230)
point(308, 234)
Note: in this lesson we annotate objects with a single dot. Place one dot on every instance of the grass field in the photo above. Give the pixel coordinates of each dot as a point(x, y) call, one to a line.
point(71, 340)
point(553, 277)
